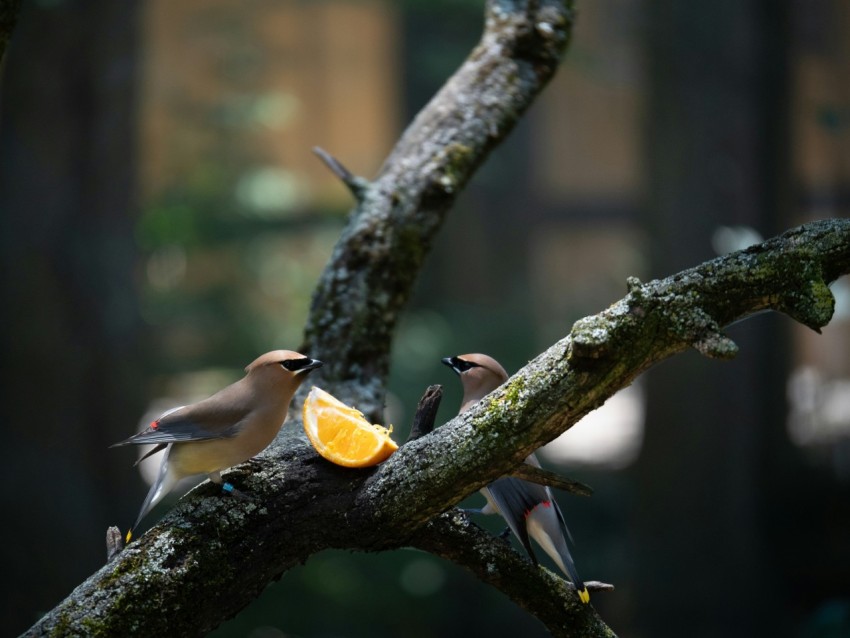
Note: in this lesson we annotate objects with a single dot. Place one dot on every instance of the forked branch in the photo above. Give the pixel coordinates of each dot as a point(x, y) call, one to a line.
point(204, 560)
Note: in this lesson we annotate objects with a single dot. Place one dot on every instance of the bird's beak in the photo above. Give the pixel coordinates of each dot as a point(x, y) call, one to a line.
point(309, 364)
point(301, 366)
point(449, 362)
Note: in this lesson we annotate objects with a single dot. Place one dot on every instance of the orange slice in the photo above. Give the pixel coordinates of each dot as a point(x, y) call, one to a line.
point(342, 434)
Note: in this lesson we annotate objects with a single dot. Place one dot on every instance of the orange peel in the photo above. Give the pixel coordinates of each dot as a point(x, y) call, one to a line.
point(341, 434)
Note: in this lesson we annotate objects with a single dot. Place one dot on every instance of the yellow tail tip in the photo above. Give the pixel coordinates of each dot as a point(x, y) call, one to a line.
point(584, 596)
point(128, 537)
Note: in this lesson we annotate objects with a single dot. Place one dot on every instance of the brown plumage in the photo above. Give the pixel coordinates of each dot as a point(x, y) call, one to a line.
point(226, 429)
point(479, 376)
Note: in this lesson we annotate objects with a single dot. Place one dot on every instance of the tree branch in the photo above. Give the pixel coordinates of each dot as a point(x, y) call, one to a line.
point(375, 262)
point(451, 535)
point(423, 423)
point(552, 479)
point(605, 353)
point(357, 185)
point(210, 556)
point(426, 412)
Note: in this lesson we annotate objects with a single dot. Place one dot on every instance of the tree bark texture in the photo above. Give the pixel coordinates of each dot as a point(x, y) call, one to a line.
point(374, 265)
point(210, 556)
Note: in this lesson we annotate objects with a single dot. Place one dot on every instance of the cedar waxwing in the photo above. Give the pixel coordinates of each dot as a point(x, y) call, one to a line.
point(528, 508)
point(226, 429)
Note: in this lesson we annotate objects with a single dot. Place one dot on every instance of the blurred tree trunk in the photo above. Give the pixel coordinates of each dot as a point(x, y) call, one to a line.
point(717, 156)
point(9, 10)
point(72, 334)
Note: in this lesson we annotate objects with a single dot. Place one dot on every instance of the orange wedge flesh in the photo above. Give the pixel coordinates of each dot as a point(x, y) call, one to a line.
point(341, 434)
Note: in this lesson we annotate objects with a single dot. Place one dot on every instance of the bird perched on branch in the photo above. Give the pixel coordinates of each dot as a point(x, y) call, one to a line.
point(226, 429)
point(529, 509)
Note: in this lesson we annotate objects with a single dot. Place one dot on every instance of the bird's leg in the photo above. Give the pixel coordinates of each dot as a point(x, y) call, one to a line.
point(227, 487)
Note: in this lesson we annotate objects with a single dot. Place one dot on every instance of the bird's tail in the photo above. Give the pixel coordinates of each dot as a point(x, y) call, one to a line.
point(165, 480)
point(543, 524)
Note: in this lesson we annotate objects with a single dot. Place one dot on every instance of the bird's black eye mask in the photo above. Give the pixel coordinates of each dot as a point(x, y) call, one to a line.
point(305, 364)
point(459, 365)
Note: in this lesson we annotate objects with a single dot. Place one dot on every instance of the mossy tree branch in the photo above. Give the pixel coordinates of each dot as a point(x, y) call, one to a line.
point(210, 556)
point(373, 267)
point(605, 353)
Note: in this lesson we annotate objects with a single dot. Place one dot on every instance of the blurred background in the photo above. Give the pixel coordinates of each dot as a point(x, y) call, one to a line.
point(164, 221)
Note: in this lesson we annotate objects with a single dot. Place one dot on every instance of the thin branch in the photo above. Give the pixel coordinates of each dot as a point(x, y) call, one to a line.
point(114, 543)
point(426, 412)
point(357, 185)
point(552, 479)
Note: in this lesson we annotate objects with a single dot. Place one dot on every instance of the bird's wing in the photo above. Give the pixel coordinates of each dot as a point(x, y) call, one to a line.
point(157, 448)
point(515, 499)
point(546, 494)
point(191, 423)
point(563, 522)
